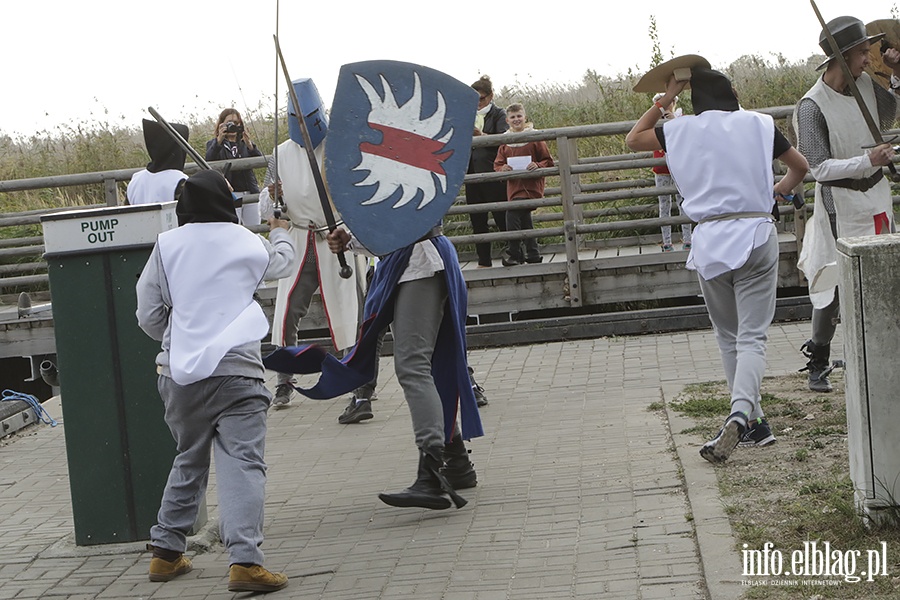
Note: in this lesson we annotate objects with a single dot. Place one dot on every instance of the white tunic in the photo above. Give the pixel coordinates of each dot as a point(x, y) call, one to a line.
point(208, 318)
point(856, 211)
point(340, 296)
point(721, 162)
point(146, 187)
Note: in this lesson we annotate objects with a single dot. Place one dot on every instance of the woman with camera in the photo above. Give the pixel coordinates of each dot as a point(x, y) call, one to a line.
point(232, 141)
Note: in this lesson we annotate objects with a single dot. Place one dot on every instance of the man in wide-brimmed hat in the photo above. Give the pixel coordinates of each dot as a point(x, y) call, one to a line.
point(721, 161)
point(852, 196)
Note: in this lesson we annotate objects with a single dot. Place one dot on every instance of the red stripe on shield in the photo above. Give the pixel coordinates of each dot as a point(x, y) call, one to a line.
point(408, 148)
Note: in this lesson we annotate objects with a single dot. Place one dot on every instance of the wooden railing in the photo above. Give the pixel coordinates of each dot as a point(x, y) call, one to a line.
point(593, 201)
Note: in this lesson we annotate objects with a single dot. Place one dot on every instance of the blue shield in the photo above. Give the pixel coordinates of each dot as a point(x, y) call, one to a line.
point(397, 149)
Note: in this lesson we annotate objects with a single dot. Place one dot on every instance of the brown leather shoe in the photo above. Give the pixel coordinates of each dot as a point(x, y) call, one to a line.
point(255, 578)
point(164, 570)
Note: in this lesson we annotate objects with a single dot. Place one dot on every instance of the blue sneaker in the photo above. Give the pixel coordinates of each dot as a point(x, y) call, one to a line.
point(758, 435)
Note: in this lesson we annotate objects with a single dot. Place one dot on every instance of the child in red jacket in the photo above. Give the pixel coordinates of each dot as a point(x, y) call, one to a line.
point(525, 156)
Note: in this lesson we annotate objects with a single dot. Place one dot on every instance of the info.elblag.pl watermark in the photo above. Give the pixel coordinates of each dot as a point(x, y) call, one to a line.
point(817, 563)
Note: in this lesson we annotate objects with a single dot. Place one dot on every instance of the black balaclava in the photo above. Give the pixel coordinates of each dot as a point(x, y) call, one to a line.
point(711, 90)
point(165, 153)
point(206, 198)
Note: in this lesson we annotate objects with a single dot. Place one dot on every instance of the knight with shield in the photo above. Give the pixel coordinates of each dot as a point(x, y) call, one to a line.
point(394, 164)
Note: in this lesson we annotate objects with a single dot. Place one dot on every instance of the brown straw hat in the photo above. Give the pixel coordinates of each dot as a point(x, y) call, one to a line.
point(876, 69)
point(655, 79)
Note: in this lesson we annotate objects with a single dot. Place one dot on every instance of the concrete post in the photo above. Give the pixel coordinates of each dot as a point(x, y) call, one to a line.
point(870, 306)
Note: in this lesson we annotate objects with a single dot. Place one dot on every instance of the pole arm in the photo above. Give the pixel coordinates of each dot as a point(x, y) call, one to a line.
point(346, 271)
point(874, 129)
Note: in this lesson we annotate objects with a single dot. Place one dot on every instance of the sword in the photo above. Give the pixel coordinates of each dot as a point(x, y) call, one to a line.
point(874, 129)
point(346, 271)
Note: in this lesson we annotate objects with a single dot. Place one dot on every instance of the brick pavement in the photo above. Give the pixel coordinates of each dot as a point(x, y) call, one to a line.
point(580, 494)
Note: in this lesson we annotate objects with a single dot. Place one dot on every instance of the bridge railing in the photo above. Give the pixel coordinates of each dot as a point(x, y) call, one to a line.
point(590, 202)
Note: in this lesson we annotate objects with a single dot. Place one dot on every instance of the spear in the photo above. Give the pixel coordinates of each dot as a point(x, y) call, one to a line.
point(278, 203)
point(346, 271)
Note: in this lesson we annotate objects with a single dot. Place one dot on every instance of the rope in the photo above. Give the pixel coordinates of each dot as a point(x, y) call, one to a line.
point(39, 412)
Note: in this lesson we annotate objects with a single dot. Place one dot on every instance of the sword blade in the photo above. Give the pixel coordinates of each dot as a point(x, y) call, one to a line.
point(313, 163)
point(173, 133)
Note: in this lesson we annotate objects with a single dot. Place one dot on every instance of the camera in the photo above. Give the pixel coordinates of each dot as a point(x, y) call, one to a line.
point(232, 127)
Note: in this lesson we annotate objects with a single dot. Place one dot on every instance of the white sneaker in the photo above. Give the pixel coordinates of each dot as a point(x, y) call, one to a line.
point(283, 394)
point(719, 448)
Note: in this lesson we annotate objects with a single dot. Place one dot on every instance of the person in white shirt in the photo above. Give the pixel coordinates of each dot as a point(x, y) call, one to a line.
point(160, 180)
point(852, 196)
point(721, 161)
point(195, 296)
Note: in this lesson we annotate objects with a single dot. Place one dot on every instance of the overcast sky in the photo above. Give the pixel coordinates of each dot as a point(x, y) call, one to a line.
point(108, 60)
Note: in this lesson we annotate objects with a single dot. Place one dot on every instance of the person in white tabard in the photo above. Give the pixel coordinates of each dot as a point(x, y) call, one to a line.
point(852, 196)
point(721, 161)
point(159, 181)
point(316, 267)
point(195, 296)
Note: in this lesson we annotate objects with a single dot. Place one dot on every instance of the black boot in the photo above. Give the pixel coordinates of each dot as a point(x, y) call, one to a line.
point(819, 365)
point(458, 469)
point(430, 489)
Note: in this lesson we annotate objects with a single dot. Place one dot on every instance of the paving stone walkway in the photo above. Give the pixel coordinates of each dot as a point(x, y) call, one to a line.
point(581, 494)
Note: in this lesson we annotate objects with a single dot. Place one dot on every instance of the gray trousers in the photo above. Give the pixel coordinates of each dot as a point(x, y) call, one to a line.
point(825, 320)
point(665, 210)
point(418, 313)
point(228, 416)
point(299, 301)
point(741, 306)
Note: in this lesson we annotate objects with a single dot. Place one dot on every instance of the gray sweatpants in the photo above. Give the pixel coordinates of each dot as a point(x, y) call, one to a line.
point(418, 313)
point(228, 416)
point(741, 306)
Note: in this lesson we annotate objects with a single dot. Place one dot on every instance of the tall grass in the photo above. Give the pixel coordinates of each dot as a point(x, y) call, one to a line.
point(107, 144)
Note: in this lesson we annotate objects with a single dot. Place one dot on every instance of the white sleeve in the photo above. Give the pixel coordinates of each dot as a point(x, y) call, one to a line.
point(266, 210)
point(840, 168)
point(282, 252)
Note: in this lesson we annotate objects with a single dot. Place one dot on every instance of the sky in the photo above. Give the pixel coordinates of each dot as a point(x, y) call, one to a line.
point(105, 61)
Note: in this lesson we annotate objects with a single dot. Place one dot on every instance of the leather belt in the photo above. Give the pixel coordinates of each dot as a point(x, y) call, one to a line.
point(858, 185)
point(435, 231)
point(311, 225)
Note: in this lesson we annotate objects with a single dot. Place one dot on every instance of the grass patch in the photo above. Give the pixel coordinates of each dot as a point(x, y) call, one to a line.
point(797, 491)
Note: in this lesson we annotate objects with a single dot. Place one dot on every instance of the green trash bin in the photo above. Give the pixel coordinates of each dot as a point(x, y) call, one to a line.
point(118, 446)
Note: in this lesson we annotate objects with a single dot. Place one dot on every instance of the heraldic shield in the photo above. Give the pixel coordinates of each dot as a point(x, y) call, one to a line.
point(397, 150)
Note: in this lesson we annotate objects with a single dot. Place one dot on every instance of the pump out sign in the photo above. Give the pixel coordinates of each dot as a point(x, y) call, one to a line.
point(102, 229)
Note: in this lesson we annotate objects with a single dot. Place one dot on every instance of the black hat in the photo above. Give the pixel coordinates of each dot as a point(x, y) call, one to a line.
point(847, 32)
point(206, 198)
point(711, 90)
point(165, 153)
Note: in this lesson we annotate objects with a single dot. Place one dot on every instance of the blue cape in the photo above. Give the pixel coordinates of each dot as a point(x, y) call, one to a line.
point(449, 365)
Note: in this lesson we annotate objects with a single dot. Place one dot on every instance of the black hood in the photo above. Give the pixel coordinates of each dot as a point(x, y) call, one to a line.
point(206, 198)
point(165, 153)
point(711, 90)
